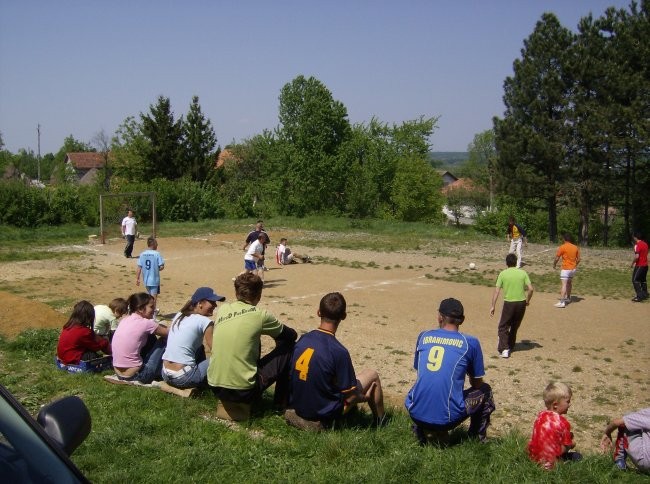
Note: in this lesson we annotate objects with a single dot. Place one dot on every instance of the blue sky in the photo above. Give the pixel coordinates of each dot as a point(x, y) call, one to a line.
point(79, 67)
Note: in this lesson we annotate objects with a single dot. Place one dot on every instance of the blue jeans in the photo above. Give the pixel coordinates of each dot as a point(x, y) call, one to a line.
point(195, 376)
point(151, 364)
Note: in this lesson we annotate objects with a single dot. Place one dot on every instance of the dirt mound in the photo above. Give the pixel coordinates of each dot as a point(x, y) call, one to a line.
point(18, 313)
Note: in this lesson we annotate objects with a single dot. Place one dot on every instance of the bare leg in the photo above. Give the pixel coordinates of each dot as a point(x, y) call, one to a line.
point(372, 392)
point(569, 285)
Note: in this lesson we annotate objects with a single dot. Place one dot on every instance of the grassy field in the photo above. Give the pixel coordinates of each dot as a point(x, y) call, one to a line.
point(144, 435)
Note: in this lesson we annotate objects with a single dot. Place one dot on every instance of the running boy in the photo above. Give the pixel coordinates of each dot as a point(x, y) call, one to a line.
point(517, 237)
point(552, 437)
point(640, 268)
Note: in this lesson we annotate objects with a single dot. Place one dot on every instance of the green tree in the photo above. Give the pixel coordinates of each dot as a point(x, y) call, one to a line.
point(165, 154)
point(129, 149)
point(416, 191)
point(480, 166)
point(531, 139)
point(200, 142)
point(312, 128)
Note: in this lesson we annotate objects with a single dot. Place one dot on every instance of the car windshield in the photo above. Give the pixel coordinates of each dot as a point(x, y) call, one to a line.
point(24, 456)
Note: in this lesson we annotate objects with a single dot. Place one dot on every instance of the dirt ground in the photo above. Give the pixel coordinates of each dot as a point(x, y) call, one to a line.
point(601, 347)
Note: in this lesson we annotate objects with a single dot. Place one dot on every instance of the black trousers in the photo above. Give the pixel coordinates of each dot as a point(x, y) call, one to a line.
point(639, 275)
point(512, 315)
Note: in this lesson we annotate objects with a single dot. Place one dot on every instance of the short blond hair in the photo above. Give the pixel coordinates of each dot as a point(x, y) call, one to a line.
point(555, 391)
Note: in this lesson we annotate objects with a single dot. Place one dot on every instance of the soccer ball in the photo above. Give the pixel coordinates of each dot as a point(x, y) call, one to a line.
point(472, 265)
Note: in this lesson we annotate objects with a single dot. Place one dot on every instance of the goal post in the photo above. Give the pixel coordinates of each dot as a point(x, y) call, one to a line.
point(114, 206)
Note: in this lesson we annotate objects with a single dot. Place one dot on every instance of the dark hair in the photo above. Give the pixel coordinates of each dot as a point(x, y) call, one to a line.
point(568, 237)
point(150, 241)
point(138, 301)
point(511, 260)
point(83, 314)
point(332, 307)
point(248, 287)
point(119, 305)
point(637, 235)
point(186, 310)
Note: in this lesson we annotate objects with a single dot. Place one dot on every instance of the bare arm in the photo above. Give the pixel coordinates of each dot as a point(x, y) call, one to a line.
point(160, 268)
point(529, 296)
point(495, 296)
point(161, 330)
point(606, 441)
point(207, 337)
point(137, 276)
point(557, 258)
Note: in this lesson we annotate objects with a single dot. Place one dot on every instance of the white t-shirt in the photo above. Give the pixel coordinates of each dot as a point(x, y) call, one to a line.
point(128, 225)
point(255, 247)
point(105, 320)
point(185, 338)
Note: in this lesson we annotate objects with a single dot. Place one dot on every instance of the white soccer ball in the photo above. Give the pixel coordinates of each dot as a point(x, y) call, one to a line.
point(472, 265)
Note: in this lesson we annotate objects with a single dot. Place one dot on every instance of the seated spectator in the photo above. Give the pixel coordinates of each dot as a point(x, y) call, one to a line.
point(107, 317)
point(78, 342)
point(632, 439)
point(323, 381)
point(237, 372)
point(437, 403)
point(137, 353)
point(184, 361)
point(552, 438)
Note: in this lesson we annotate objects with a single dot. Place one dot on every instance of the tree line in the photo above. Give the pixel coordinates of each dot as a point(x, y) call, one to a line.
point(576, 130)
point(569, 152)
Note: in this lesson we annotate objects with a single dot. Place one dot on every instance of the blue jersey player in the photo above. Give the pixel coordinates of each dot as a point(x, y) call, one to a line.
point(150, 263)
point(323, 380)
point(438, 401)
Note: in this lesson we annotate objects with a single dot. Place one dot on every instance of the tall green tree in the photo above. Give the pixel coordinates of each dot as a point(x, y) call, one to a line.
point(416, 191)
point(129, 149)
point(200, 142)
point(313, 125)
point(165, 155)
point(481, 164)
point(531, 139)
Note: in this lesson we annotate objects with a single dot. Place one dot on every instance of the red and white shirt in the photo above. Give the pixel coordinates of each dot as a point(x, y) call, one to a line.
point(551, 432)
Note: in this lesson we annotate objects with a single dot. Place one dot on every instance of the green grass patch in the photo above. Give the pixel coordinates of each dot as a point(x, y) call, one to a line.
point(145, 435)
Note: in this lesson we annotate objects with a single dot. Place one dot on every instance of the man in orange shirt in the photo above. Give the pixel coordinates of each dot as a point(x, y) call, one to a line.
point(570, 255)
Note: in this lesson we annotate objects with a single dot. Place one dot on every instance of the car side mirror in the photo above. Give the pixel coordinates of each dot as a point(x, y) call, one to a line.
point(67, 421)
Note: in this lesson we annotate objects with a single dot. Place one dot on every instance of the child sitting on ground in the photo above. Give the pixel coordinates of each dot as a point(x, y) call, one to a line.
point(552, 437)
point(107, 317)
point(284, 256)
point(632, 439)
point(78, 342)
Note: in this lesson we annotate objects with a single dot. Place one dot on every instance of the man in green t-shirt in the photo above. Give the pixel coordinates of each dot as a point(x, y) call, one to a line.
point(517, 292)
point(236, 372)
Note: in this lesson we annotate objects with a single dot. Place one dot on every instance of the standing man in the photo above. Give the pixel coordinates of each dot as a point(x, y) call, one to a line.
point(252, 237)
point(254, 258)
point(150, 263)
point(517, 292)
point(570, 255)
point(437, 402)
point(517, 237)
point(237, 373)
point(640, 267)
point(323, 382)
point(129, 229)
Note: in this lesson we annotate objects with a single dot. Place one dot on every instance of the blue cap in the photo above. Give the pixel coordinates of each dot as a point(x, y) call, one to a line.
point(206, 293)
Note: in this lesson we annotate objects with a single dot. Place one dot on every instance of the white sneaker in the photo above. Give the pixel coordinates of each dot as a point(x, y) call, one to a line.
point(505, 354)
point(560, 304)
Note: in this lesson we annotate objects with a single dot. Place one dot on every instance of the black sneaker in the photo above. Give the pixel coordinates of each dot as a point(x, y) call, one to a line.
point(636, 299)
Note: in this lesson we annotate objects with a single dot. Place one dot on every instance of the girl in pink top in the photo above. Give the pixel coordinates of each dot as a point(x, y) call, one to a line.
point(137, 353)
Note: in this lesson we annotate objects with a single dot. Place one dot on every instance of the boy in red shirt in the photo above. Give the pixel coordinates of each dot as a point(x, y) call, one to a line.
point(552, 437)
point(640, 267)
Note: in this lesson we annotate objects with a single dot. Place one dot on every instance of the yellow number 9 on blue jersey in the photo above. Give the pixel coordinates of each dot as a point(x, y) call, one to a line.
point(436, 353)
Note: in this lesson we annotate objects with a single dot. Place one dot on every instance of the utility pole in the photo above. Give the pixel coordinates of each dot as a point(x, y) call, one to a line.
point(38, 159)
